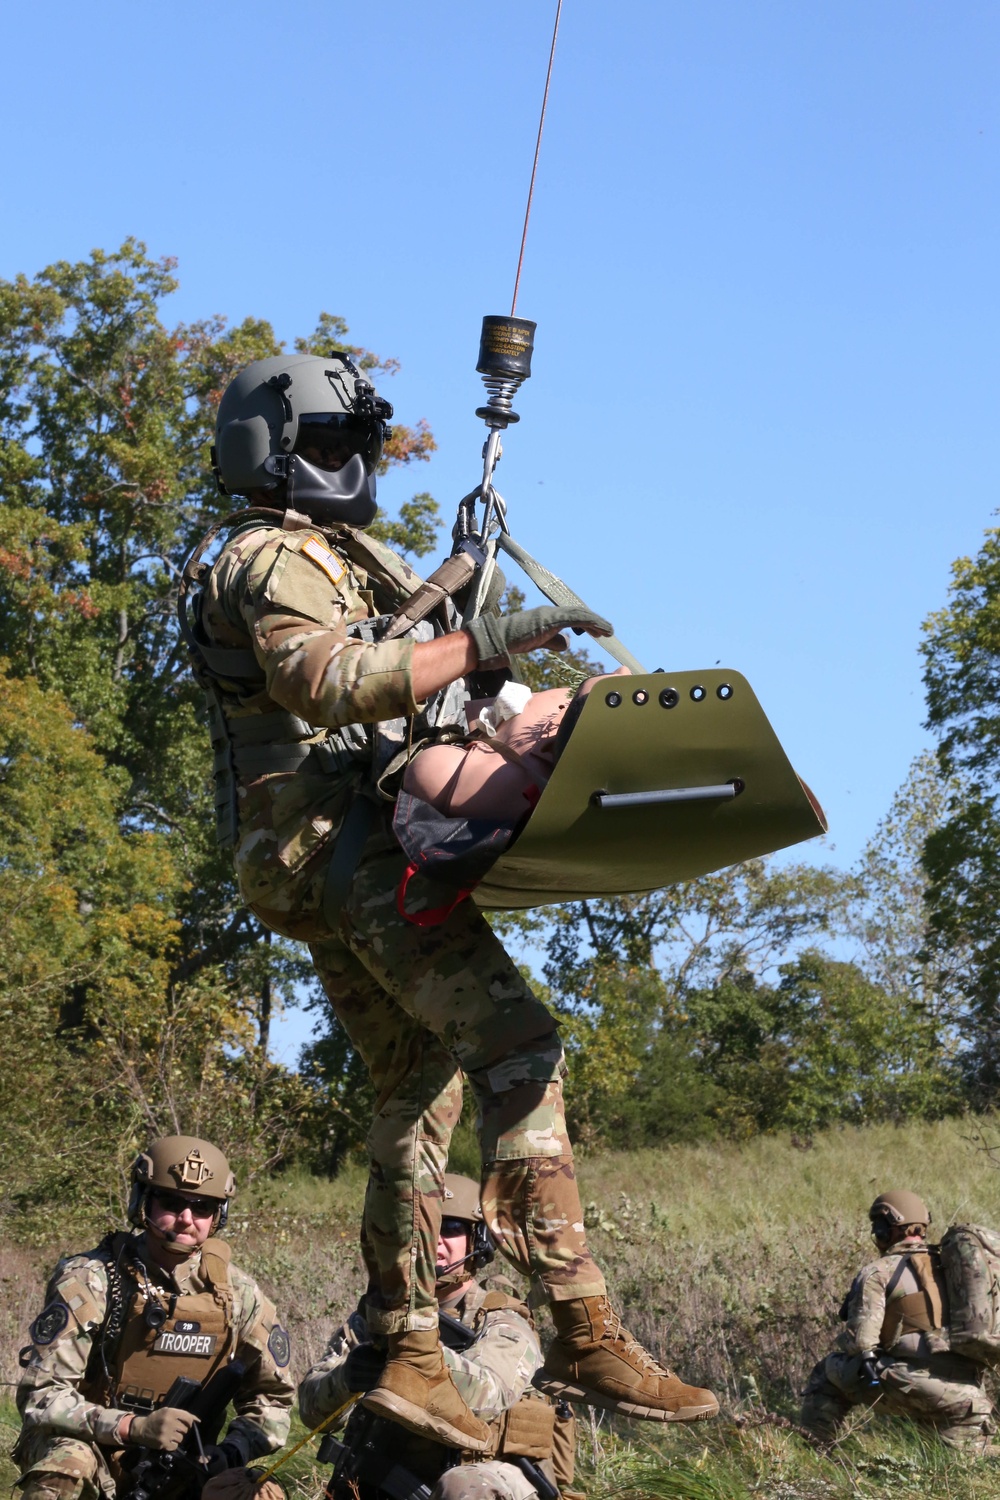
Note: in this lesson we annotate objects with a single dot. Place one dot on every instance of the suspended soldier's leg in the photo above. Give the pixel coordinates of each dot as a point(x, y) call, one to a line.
point(419, 1089)
point(456, 980)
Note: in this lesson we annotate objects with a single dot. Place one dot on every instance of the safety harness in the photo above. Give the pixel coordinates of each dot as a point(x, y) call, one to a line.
point(275, 742)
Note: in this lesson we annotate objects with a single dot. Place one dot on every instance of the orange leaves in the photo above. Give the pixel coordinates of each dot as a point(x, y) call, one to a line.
point(17, 564)
point(80, 602)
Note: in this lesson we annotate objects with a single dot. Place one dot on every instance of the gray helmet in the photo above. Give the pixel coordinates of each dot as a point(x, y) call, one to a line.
point(896, 1209)
point(279, 410)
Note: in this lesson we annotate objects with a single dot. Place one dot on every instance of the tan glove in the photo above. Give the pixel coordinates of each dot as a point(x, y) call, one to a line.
point(165, 1429)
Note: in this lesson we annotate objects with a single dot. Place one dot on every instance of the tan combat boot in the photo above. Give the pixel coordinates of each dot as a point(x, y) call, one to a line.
point(417, 1391)
point(596, 1362)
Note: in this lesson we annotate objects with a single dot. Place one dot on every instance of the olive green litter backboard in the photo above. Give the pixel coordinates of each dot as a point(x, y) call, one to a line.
point(684, 732)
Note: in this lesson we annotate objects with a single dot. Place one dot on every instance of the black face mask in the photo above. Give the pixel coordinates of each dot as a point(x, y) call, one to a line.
point(344, 497)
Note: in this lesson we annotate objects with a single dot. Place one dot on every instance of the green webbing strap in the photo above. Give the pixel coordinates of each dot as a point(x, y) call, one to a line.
point(560, 593)
point(354, 832)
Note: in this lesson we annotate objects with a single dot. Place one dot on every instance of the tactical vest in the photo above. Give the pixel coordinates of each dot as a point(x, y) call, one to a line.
point(246, 746)
point(923, 1311)
point(534, 1427)
point(196, 1339)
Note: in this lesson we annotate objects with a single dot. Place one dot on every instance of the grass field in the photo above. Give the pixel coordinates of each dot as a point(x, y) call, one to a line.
point(729, 1261)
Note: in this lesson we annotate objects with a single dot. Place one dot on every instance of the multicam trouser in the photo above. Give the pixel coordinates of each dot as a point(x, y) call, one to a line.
point(422, 1006)
point(62, 1468)
point(941, 1391)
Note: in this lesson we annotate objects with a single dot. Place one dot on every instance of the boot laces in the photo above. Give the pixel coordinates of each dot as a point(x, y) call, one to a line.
point(640, 1357)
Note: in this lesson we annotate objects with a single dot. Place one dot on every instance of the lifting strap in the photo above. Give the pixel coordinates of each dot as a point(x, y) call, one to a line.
point(560, 593)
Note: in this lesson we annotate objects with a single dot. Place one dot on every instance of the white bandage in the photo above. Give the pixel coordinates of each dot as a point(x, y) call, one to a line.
point(511, 699)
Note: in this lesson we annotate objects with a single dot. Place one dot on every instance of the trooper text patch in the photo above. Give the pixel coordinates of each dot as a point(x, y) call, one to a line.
point(201, 1345)
point(50, 1323)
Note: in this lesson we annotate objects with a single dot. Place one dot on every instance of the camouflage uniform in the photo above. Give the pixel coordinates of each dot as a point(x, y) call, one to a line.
point(421, 1005)
point(64, 1432)
point(920, 1378)
point(491, 1376)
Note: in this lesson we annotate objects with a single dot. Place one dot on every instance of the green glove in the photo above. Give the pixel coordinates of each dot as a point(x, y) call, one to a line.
point(164, 1429)
point(499, 637)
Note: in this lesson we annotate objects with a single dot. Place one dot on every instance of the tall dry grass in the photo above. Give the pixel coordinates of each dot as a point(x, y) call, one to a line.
point(729, 1261)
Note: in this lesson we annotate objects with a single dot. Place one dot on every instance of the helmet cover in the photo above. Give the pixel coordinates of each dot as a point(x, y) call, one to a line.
point(181, 1164)
point(899, 1208)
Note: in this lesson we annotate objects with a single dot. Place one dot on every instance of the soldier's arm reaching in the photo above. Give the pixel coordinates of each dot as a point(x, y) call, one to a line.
point(865, 1311)
point(328, 1386)
point(300, 599)
point(264, 1400)
point(498, 1368)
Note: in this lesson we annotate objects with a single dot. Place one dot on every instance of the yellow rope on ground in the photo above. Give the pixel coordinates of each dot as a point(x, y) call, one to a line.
point(311, 1434)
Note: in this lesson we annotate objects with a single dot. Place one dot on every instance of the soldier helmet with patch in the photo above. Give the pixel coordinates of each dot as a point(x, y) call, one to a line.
point(898, 1209)
point(310, 431)
point(181, 1164)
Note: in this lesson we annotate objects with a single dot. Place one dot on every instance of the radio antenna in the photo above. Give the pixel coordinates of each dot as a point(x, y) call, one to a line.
point(534, 164)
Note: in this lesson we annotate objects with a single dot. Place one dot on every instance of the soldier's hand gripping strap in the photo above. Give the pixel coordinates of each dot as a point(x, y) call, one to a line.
point(498, 637)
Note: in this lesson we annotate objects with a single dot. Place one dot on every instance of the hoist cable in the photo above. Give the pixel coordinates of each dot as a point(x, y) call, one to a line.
point(534, 165)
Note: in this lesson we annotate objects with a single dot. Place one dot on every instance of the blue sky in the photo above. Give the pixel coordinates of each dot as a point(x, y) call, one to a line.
point(763, 261)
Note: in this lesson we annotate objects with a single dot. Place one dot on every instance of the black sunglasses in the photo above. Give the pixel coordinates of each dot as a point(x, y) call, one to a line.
point(176, 1203)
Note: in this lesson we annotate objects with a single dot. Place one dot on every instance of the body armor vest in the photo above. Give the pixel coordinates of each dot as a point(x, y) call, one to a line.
point(270, 743)
point(195, 1339)
point(921, 1311)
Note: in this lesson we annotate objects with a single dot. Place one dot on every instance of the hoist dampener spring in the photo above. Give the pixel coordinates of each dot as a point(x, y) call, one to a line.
point(505, 349)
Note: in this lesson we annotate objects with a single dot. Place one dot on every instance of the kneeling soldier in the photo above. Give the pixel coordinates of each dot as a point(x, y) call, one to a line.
point(122, 1322)
point(894, 1350)
point(492, 1352)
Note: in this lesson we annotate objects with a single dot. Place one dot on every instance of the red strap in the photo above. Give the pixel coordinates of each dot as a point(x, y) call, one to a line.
point(436, 915)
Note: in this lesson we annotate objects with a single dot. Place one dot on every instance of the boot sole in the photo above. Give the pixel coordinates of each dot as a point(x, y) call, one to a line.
point(563, 1390)
point(416, 1419)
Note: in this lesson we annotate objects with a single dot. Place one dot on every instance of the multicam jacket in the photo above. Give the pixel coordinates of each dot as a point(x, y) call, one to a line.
point(491, 1375)
point(494, 1378)
point(896, 1303)
point(289, 655)
point(50, 1395)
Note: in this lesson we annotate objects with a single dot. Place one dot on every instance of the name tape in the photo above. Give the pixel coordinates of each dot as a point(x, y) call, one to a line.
point(199, 1344)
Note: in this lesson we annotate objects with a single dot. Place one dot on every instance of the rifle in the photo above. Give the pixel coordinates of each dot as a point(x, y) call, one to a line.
point(180, 1475)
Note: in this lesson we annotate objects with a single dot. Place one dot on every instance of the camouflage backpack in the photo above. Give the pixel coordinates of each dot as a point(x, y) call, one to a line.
point(970, 1260)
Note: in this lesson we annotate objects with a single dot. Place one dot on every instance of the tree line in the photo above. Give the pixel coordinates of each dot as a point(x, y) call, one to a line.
point(137, 993)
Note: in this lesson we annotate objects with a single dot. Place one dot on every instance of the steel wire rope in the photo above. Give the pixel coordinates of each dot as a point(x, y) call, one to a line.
point(534, 165)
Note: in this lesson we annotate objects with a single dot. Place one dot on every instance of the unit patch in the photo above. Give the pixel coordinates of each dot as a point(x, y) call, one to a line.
point(280, 1346)
point(50, 1323)
point(201, 1345)
point(321, 555)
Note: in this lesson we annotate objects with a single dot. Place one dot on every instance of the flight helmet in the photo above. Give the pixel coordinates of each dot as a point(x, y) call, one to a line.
point(312, 430)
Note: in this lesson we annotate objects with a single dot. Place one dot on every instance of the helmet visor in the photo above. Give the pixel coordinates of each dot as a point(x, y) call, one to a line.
point(329, 440)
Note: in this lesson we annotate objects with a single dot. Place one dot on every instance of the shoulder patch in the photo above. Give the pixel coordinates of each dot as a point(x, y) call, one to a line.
point(318, 552)
point(50, 1323)
point(279, 1346)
